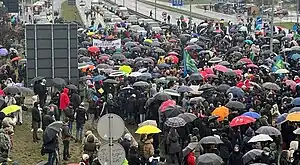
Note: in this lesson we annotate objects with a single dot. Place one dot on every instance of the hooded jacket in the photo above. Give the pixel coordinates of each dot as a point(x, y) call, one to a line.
point(148, 148)
point(64, 99)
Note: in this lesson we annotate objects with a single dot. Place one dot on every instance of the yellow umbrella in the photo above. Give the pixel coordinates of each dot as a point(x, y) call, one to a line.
point(295, 116)
point(148, 41)
point(147, 129)
point(10, 109)
point(90, 33)
point(222, 112)
point(126, 69)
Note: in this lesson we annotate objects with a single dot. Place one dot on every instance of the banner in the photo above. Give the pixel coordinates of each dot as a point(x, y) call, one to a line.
point(107, 43)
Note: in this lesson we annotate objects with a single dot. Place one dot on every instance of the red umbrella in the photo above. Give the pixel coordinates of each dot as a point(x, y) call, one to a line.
point(241, 120)
point(174, 59)
point(172, 40)
point(104, 58)
point(15, 59)
point(221, 68)
point(172, 54)
point(93, 49)
point(252, 66)
point(167, 104)
point(292, 84)
point(209, 71)
point(246, 60)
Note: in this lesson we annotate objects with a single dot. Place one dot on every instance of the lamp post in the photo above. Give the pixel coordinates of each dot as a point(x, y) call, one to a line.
point(272, 25)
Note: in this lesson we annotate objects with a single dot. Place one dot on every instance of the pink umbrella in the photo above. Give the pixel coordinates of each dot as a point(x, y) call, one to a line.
point(252, 66)
point(221, 68)
point(172, 54)
point(238, 72)
point(292, 84)
point(209, 71)
point(246, 60)
point(167, 104)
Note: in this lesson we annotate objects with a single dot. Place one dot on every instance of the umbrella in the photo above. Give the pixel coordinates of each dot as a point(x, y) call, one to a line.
point(162, 96)
point(188, 117)
point(271, 86)
point(58, 82)
point(56, 126)
point(72, 87)
point(38, 78)
point(84, 59)
point(166, 104)
point(118, 56)
point(254, 115)
point(268, 130)
point(294, 48)
point(281, 118)
point(148, 122)
point(196, 100)
point(145, 76)
point(93, 49)
point(147, 129)
point(126, 69)
point(296, 101)
point(295, 109)
point(135, 74)
point(10, 109)
point(171, 92)
point(251, 155)
point(175, 122)
point(111, 81)
point(294, 116)
point(12, 90)
point(102, 66)
point(172, 54)
point(196, 77)
point(246, 60)
point(260, 138)
point(235, 105)
point(49, 135)
point(26, 91)
point(3, 52)
point(296, 56)
point(211, 140)
point(171, 78)
point(163, 66)
point(221, 112)
point(241, 120)
point(136, 49)
point(2, 101)
point(297, 131)
point(292, 84)
point(206, 87)
point(209, 159)
point(221, 68)
point(183, 89)
point(15, 59)
point(141, 84)
point(237, 92)
point(159, 50)
point(223, 88)
point(215, 60)
point(224, 63)
point(282, 71)
point(98, 78)
point(173, 111)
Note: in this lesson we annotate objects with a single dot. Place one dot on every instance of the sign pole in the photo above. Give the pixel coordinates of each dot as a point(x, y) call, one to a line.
point(110, 139)
point(272, 29)
point(52, 15)
point(136, 5)
point(298, 11)
point(31, 3)
point(190, 9)
point(155, 8)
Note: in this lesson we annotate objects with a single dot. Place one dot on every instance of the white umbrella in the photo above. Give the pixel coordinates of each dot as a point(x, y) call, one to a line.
point(194, 40)
point(243, 29)
point(260, 138)
point(297, 131)
point(135, 74)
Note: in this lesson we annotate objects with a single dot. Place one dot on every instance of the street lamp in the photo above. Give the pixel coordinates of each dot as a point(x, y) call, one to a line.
point(272, 25)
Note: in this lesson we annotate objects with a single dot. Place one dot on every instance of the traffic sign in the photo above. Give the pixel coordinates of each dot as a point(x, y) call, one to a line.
point(177, 2)
point(113, 154)
point(259, 21)
point(110, 126)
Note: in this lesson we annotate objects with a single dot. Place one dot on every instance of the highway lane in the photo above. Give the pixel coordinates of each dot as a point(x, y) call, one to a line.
point(81, 10)
point(145, 9)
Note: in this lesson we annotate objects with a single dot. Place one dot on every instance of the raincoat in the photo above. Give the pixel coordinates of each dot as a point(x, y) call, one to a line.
point(64, 99)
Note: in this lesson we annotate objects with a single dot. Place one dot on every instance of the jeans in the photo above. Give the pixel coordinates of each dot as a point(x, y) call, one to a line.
point(51, 158)
point(79, 130)
point(70, 127)
point(66, 152)
point(142, 117)
point(35, 126)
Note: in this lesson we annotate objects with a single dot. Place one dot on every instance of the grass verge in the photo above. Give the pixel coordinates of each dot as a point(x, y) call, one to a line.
point(70, 13)
point(180, 11)
point(288, 25)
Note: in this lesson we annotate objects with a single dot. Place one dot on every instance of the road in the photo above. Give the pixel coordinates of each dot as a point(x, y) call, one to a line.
point(81, 9)
point(145, 9)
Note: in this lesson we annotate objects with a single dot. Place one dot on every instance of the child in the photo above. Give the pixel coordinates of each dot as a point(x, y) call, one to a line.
point(90, 147)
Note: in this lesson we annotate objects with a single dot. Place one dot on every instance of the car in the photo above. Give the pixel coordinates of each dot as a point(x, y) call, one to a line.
point(133, 19)
point(143, 21)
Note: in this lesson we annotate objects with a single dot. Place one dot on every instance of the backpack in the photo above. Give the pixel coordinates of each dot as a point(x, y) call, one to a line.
point(154, 162)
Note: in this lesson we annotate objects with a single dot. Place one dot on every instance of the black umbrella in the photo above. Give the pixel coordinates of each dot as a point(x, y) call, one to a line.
point(188, 117)
point(72, 87)
point(295, 109)
point(196, 77)
point(118, 56)
point(111, 81)
point(235, 105)
point(136, 49)
point(102, 66)
point(271, 86)
point(209, 159)
point(196, 100)
point(12, 90)
point(141, 84)
point(84, 59)
point(58, 82)
point(162, 96)
point(175, 122)
point(224, 63)
point(223, 88)
point(183, 89)
point(83, 51)
point(251, 155)
point(268, 130)
point(2, 101)
point(211, 140)
point(173, 111)
point(206, 87)
point(159, 50)
point(38, 78)
point(26, 91)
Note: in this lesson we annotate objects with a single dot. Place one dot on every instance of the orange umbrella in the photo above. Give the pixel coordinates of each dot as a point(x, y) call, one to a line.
point(15, 59)
point(88, 67)
point(295, 116)
point(222, 112)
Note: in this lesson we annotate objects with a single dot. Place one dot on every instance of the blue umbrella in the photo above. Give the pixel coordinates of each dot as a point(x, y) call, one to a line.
point(295, 109)
point(98, 78)
point(296, 56)
point(237, 92)
point(248, 42)
point(3, 52)
point(254, 115)
point(281, 119)
point(296, 101)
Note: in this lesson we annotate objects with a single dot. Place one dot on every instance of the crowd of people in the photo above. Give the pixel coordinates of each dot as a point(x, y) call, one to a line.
point(200, 94)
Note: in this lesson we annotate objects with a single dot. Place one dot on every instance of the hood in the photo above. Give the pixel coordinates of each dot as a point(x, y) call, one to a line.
point(90, 138)
point(66, 90)
point(250, 132)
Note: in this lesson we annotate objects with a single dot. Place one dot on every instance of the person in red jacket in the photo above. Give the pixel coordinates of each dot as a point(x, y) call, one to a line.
point(191, 159)
point(64, 100)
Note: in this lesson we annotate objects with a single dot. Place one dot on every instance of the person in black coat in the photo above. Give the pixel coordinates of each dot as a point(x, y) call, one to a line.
point(126, 143)
point(235, 157)
point(36, 119)
point(133, 156)
point(47, 120)
point(75, 99)
point(141, 106)
point(225, 148)
point(69, 113)
point(80, 117)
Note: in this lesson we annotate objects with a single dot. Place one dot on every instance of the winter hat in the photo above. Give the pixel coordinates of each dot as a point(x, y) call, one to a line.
point(85, 157)
point(127, 136)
